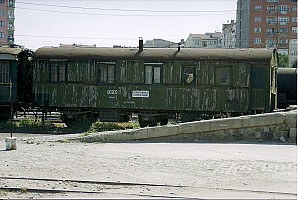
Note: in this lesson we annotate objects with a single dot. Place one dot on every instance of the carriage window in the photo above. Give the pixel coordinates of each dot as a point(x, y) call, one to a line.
point(152, 74)
point(106, 73)
point(58, 72)
point(4, 72)
point(188, 76)
point(223, 76)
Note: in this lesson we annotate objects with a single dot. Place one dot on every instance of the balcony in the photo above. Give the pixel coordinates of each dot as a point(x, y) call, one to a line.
point(11, 28)
point(10, 40)
point(282, 45)
point(270, 33)
point(271, 22)
point(271, 11)
point(11, 4)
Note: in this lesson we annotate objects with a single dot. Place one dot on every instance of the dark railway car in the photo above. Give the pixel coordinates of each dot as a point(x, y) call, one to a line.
point(15, 82)
point(157, 84)
point(286, 87)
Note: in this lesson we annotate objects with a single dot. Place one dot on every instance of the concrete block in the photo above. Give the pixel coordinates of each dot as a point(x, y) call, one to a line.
point(95, 137)
point(162, 131)
point(134, 134)
point(194, 127)
point(264, 119)
point(291, 119)
point(11, 143)
point(111, 136)
point(226, 123)
point(293, 133)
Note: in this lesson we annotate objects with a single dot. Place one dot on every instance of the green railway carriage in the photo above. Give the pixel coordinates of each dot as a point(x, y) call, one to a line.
point(15, 80)
point(157, 84)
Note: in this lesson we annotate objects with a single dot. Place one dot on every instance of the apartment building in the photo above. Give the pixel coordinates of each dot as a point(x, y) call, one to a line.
point(7, 18)
point(266, 23)
point(207, 40)
point(159, 43)
point(229, 35)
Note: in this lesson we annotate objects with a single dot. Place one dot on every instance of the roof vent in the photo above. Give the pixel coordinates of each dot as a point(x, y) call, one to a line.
point(141, 46)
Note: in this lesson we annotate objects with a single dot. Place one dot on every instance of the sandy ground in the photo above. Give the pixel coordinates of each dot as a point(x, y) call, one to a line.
point(47, 169)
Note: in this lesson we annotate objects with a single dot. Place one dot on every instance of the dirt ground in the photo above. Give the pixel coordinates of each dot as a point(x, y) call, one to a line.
point(43, 168)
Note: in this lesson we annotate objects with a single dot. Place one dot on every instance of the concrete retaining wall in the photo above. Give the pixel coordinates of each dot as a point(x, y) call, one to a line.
point(277, 126)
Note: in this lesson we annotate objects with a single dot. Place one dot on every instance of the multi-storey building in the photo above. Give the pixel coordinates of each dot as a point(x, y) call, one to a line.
point(266, 23)
point(207, 40)
point(159, 43)
point(7, 21)
point(229, 35)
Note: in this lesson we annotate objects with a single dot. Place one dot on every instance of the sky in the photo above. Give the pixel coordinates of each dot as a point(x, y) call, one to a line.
point(105, 23)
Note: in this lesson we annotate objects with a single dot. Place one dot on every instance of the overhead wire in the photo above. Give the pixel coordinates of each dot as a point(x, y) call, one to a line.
point(140, 13)
point(126, 15)
point(137, 12)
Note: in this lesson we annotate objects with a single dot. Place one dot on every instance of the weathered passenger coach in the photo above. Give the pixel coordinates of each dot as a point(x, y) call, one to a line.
point(15, 80)
point(157, 84)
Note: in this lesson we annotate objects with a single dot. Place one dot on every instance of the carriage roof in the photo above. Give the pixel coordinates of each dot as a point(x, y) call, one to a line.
point(83, 53)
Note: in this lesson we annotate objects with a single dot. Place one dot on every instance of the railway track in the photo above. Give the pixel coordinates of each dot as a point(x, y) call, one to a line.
point(25, 186)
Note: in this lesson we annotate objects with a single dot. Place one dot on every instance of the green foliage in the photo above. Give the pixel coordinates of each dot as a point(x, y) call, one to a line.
point(28, 125)
point(37, 126)
point(109, 126)
point(283, 60)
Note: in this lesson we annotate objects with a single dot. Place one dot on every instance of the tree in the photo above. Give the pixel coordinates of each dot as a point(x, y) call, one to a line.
point(283, 60)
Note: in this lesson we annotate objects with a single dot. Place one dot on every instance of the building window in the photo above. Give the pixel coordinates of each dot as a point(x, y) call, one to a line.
point(2, 1)
point(294, 29)
point(257, 40)
point(271, 9)
point(293, 53)
point(269, 43)
point(258, 19)
point(282, 41)
point(294, 19)
point(10, 3)
point(270, 31)
point(106, 73)
point(10, 26)
point(223, 76)
point(58, 72)
point(2, 12)
point(10, 14)
point(258, 7)
point(272, 0)
point(271, 20)
point(2, 35)
point(294, 8)
point(283, 9)
point(283, 20)
point(2, 23)
point(283, 30)
point(258, 29)
point(152, 74)
point(204, 43)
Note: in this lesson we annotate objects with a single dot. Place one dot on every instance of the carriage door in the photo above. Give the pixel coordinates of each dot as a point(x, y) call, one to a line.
point(257, 89)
